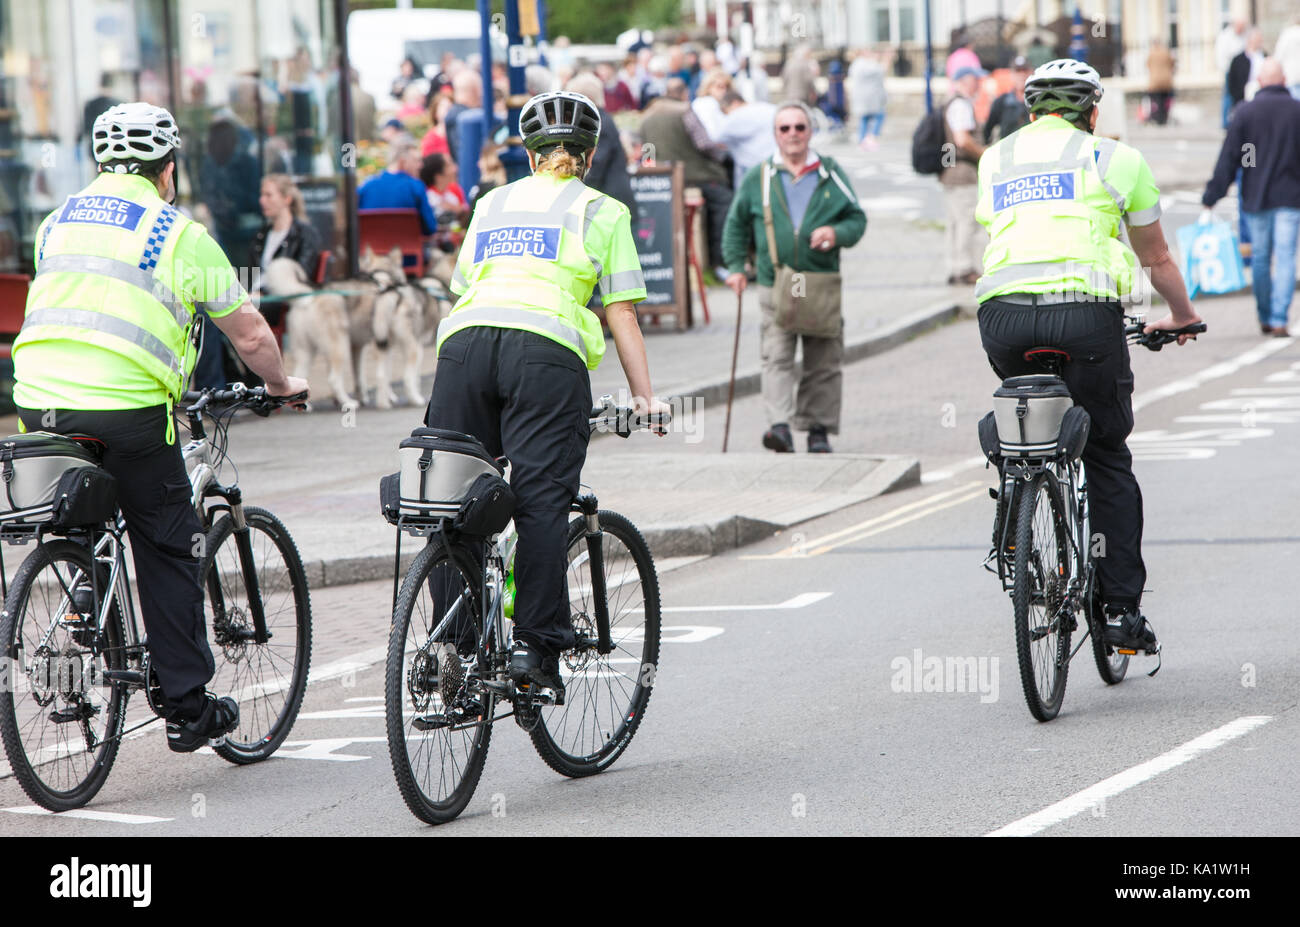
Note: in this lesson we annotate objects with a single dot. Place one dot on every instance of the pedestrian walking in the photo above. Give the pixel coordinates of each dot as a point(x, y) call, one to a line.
point(746, 133)
point(1243, 70)
point(960, 179)
point(1230, 43)
point(796, 210)
point(1160, 81)
point(1269, 191)
point(1009, 112)
point(867, 97)
point(1287, 51)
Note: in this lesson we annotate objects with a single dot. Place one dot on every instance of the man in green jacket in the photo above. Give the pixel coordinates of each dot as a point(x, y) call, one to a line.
point(815, 213)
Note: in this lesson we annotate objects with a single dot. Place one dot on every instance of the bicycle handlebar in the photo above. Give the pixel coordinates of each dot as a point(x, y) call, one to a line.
point(254, 398)
point(1156, 340)
point(623, 420)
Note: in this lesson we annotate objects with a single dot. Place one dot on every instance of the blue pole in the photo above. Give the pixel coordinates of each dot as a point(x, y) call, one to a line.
point(541, 35)
point(485, 50)
point(929, 60)
point(515, 160)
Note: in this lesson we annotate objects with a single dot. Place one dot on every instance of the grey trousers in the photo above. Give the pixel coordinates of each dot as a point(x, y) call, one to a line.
point(800, 398)
point(964, 238)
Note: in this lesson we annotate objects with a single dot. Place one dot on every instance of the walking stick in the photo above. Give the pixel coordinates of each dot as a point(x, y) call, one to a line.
point(731, 388)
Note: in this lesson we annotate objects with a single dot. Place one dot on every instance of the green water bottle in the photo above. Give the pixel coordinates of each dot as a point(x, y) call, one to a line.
point(508, 597)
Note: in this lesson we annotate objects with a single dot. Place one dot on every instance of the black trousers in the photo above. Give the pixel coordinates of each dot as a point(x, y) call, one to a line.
point(527, 397)
point(717, 201)
point(1100, 379)
point(154, 493)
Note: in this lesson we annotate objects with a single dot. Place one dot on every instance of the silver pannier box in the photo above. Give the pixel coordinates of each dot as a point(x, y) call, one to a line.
point(1029, 411)
point(436, 468)
point(31, 466)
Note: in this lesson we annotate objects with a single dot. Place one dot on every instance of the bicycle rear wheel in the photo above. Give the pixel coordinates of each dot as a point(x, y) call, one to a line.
point(605, 696)
point(269, 680)
point(1039, 593)
point(60, 719)
point(437, 745)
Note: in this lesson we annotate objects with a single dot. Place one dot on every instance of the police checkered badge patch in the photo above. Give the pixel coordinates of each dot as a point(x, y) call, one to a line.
point(157, 235)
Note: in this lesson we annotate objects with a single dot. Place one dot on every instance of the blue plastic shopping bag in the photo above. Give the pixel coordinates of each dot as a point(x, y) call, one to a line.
point(1211, 258)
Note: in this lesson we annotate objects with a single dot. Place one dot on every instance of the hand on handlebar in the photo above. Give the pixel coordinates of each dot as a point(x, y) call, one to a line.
point(656, 414)
point(292, 387)
point(1169, 323)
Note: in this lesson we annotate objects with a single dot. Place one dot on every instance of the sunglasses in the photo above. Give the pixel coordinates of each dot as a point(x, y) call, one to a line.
point(798, 127)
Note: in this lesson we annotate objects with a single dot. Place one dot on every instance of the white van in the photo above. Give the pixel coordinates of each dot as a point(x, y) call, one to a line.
point(379, 40)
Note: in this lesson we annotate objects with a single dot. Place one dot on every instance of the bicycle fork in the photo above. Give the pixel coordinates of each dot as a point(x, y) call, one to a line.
point(247, 566)
point(596, 556)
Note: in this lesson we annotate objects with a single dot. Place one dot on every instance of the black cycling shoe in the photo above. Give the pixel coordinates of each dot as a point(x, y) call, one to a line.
point(528, 665)
point(220, 716)
point(1129, 631)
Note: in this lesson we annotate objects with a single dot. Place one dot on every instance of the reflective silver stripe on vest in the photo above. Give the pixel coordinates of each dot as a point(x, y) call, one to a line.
point(234, 292)
point(1010, 169)
point(1143, 216)
point(514, 318)
point(557, 213)
point(458, 278)
point(1106, 151)
point(118, 270)
point(106, 324)
point(1017, 273)
point(623, 280)
point(589, 216)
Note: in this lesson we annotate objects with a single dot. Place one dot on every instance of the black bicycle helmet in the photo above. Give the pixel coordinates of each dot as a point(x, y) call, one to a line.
point(1063, 86)
point(560, 117)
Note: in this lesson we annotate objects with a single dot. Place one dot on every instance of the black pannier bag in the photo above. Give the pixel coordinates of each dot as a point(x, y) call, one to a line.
point(447, 474)
point(44, 482)
point(1075, 426)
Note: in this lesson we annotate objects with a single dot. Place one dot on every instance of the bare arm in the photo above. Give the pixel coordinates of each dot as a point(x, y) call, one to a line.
point(255, 343)
point(965, 141)
point(623, 325)
point(1149, 244)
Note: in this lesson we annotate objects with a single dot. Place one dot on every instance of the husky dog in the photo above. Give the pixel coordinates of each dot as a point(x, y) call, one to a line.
point(393, 316)
point(315, 324)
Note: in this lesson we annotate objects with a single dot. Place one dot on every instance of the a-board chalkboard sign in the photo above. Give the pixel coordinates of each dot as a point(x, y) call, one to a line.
point(660, 233)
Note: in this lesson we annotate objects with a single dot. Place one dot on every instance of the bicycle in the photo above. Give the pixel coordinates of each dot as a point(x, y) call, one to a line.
point(73, 648)
point(1042, 543)
point(439, 719)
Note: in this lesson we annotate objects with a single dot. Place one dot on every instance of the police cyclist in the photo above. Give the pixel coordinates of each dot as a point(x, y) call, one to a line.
point(1052, 196)
point(515, 351)
point(108, 343)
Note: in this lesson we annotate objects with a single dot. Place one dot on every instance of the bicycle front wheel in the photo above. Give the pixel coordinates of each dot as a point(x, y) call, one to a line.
point(605, 695)
point(1040, 593)
point(60, 718)
point(269, 679)
point(439, 726)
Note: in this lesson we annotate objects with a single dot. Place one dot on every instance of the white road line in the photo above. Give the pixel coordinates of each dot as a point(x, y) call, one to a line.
point(1136, 775)
point(112, 817)
point(803, 600)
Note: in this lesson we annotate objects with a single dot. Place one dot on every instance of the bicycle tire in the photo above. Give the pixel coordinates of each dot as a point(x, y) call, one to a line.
point(594, 741)
point(408, 697)
point(268, 706)
point(1042, 562)
point(1112, 666)
point(75, 774)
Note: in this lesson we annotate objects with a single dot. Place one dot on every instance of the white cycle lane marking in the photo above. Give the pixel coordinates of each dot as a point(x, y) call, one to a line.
point(86, 814)
point(1092, 796)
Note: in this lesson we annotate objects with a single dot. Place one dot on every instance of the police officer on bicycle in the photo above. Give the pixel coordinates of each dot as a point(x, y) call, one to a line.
point(1052, 196)
point(107, 345)
point(515, 351)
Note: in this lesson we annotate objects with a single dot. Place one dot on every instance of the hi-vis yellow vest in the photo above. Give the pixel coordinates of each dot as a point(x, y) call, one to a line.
point(106, 278)
point(533, 254)
point(1052, 198)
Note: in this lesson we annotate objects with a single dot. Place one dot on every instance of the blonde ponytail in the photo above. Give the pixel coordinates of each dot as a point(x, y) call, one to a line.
point(562, 163)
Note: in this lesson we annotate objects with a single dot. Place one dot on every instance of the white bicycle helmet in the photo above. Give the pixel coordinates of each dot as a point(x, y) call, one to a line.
point(559, 117)
point(1063, 85)
point(134, 132)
